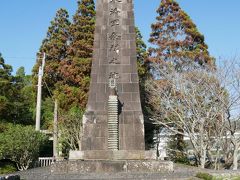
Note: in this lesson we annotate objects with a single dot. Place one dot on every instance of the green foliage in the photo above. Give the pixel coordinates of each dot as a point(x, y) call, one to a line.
point(47, 113)
point(141, 55)
point(75, 86)
point(176, 38)
point(7, 168)
point(204, 176)
point(6, 89)
point(70, 125)
point(55, 46)
point(177, 149)
point(17, 98)
point(144, 72)
point(22, 106)
point(82, 30)
point(68, 47)
point(20, 144)
point(76, 68)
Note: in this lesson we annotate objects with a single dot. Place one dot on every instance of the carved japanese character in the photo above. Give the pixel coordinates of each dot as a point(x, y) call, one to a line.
point(114, 60)
point(115, 48)
point(115, 36)
point(113, 1)
point(114, 75)
point(115, 22)
point(114, 11)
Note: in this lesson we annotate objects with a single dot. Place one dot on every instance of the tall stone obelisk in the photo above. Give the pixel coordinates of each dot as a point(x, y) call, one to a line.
point(114, 58)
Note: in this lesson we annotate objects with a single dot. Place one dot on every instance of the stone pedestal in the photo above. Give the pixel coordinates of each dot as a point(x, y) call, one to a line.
point(112, 155)
point(103, 166)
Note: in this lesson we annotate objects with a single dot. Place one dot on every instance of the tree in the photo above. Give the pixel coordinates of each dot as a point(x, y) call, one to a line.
point(143, 69)
point(188, 104)
point(177, 41)
point(70, 126)
point(6, 91)
point(76, 68)
point(21, 144)
point(144, 73)
point(82, 30)
point(22, 104)
point(176, 38)
point(229, 76)
point(16, 95)
point(55, 46)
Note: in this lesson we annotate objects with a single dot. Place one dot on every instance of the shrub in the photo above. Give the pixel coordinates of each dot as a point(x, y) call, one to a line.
point(204, 176)
point(21, 145)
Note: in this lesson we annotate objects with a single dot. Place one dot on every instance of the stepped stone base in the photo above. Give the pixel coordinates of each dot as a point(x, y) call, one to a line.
point(112, 155)
point(104, 166)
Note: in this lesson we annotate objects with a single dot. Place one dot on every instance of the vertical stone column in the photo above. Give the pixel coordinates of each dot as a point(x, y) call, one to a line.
point(114, 54)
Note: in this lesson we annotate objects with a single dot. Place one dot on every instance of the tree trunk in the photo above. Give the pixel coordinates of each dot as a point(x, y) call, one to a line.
point(235, 158)
point(203, 158)
point(217, 160)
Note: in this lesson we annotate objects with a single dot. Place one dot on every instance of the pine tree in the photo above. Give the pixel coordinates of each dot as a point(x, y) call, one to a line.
point(176, 38)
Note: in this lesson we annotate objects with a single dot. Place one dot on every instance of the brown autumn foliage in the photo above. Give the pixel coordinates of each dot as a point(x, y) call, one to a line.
point(175, 37)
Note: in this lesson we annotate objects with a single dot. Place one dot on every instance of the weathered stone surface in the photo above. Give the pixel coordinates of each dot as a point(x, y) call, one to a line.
point(112, 155)
point(149, 166)
point(102, 166)
point(181, 172)
point(114, 51)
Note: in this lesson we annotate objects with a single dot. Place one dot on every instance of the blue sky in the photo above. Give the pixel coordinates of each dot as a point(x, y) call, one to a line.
point(24, 24)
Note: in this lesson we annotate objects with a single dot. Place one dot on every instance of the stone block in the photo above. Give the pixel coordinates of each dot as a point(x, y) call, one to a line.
point(101, 106)
point(136, 97)
point(149, 166)
point(102, 119)
point(112, 166)
point(123, 97)
point(126, 69)
point(139, 130)
point(101, 96)
point(128, 117)
point(99, 143)
point(125, 60)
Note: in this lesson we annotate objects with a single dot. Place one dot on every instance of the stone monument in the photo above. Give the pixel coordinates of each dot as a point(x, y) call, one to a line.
point(113, 126)
point(114, 66)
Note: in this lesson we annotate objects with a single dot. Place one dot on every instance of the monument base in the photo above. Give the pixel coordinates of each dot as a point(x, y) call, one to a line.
point(112, 155)
point(107, 166)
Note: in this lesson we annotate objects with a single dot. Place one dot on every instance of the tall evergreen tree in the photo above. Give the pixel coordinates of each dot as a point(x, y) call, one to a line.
point(6, 90)
point(141, 55)
point(55, 46)
point(76, 67)
point(176, 38)
point(144, 73)
point(16, 95)
point(23, 103)
point(82, 30)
